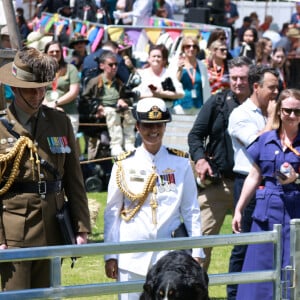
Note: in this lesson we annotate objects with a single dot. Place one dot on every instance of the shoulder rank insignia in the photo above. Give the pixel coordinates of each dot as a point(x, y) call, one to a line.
point(124, 155)
point(178, 152)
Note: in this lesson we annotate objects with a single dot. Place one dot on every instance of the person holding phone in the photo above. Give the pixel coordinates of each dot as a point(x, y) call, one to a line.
point(154, 76)
point(277, 198)
point(193, 75)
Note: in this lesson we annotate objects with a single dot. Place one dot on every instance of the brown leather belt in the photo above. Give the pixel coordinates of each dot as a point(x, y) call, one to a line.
point(41, 187)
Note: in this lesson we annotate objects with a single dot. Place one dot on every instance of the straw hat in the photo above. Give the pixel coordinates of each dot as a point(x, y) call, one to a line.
point(151, 110)
point(30, 69)
point(293, 32)
point(38, 40)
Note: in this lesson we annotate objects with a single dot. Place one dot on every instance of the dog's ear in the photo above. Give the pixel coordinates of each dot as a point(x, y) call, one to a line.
point(147, 293)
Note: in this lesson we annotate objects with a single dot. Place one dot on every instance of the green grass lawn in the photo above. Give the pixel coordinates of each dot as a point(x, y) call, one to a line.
point(90, 270)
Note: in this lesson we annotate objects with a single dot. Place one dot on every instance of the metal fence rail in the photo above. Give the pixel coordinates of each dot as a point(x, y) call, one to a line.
point(56, 253)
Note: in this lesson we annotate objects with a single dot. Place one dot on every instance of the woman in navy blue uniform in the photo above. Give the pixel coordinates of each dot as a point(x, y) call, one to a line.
point(276, 199)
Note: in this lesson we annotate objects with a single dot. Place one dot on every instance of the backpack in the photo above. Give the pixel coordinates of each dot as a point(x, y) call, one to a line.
point(224, 105)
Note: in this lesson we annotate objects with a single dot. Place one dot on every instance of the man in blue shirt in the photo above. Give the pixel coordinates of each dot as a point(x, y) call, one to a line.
point(91, 65)
point(295, 18)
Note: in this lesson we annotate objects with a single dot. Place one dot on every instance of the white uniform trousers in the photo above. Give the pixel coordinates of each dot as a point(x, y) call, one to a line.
point(129, 276)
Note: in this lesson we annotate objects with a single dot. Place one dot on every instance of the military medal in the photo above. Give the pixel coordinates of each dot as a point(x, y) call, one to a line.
point(172, 182)
point(160, 187)
point(58, 144)
point(167, 187)
point(66, 148)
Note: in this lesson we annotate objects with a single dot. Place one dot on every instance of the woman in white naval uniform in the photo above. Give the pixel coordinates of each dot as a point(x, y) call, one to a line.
point(150, 189)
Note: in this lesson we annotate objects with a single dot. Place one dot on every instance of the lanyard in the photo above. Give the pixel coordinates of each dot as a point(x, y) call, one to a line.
point(292, 148)
point(192, 74)
point(218, 74)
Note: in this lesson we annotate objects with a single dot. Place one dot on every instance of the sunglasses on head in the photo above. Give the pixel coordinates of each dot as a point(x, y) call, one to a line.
point(288, 111)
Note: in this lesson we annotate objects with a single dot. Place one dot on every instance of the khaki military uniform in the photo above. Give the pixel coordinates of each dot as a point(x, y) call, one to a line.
point(27, 217)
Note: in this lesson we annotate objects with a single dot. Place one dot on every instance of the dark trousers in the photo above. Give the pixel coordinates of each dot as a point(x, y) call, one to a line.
point(239, 251)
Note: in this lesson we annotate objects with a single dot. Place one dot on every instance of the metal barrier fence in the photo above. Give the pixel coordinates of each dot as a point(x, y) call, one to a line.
point(56, 253)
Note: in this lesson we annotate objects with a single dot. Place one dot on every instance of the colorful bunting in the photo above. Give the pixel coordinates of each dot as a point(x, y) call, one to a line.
point(138, 37)
point(192, 32)
point(83, 29)
point(153, 34)
point(97, 40)
point(92, 33)
point(133, 34)
point(49, 24)
point(115, 33)
point(173, 33)
point(78, 27)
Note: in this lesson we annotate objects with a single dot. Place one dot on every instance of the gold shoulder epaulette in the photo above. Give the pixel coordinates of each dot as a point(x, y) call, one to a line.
point(124, 155)
point(178, 152)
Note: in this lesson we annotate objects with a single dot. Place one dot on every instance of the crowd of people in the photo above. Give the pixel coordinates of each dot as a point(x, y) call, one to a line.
point(247, 115)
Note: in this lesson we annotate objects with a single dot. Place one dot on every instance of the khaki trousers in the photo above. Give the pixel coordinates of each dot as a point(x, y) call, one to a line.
point(215, 201)
point(120, 133)
point(25, 275)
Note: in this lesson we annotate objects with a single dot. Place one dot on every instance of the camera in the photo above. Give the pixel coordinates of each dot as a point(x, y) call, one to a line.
point(168, 85)
point(127, 92)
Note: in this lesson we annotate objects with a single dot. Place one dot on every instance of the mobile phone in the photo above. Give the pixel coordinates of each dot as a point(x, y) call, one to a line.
point(280, 175)
point(152, 87)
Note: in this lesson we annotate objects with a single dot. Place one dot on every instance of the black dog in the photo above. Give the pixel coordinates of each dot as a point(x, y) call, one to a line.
point(176, 276)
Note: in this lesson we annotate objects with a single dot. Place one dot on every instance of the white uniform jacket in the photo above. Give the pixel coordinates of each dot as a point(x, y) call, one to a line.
point(176, 198)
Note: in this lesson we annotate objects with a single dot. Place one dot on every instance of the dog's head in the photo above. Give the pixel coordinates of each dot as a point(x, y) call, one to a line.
point(176, 276)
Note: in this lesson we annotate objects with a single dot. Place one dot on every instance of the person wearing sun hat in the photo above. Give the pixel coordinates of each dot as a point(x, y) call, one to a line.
point(38, 40)
point(150, 190)
point(39, 142)
point(78, 39)
point(78, 43)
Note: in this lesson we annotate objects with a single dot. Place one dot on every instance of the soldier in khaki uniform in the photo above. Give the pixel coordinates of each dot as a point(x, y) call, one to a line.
point(39, 166)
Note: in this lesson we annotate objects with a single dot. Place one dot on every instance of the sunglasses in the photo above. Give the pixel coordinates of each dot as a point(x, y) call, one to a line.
point(113, 64)
point(191, 46)
point(288, 111)
point(223, 49)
